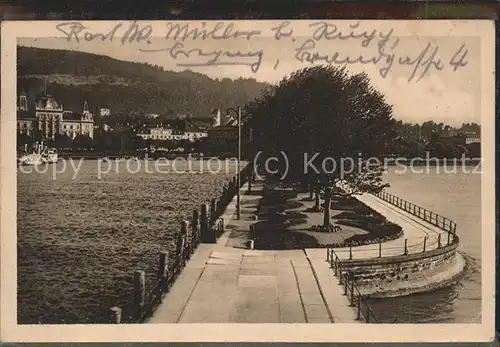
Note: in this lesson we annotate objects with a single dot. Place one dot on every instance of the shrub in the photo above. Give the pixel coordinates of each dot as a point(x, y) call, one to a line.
point(331, 228)
point(377, 232)
point(314, 209)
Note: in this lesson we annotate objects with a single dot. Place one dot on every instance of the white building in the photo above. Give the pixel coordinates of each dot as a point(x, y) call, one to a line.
point(47, 118)
point(105, 112)
point(161, 133)
point(471, 137)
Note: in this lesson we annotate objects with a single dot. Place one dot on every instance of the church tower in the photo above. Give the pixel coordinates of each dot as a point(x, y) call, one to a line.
point(85, 107)
point(216, 120)
point(23, 102)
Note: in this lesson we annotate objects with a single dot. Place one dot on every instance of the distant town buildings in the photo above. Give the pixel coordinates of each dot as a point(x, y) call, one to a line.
point(461, 138)
point(45, 118)
point(104, 112)
point(167, 133)
point(223, 132)
point(472, 137)
point(184, 127)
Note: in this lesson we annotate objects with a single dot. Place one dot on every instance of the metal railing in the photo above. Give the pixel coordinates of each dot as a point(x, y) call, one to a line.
point(395, 248)
point(363, 310)
point(433, 218)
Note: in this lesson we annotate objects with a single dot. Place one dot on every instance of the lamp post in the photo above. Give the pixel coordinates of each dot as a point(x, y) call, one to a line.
point(238, 169)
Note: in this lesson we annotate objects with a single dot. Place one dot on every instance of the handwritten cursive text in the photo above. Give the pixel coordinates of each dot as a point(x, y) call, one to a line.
point(217, 57)
point(133, 33)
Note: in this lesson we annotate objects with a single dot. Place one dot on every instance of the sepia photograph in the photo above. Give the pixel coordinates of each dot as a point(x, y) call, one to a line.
point(309, 180)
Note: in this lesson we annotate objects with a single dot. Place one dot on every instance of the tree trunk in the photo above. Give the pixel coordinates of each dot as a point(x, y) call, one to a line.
point(316, 199)
point(326, 213)
point(250, 178)
point(311, 193)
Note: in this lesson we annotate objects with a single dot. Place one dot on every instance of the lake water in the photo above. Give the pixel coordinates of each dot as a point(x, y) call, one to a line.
point(79, 240)
point(458, 197)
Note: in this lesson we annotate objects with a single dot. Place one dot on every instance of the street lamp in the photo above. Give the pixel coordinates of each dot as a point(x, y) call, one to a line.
point(238, 181)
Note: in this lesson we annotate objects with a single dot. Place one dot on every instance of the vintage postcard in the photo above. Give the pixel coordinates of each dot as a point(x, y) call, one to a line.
point(284, 180)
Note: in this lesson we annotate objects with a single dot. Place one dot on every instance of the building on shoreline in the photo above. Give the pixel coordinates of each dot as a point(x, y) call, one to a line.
point(45, 118)
point(184, 127)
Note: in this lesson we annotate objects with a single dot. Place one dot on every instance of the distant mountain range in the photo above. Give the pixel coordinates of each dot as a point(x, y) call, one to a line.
point(125, 87)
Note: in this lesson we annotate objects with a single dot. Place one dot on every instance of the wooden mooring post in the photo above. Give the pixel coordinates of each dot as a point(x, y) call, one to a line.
point(425, 242)
point(163, 264)
point(204, 223)
point(439, 241)
point(195, 230)
point(139, 294)
point(213, 212)
point(115, 315)
point(185, 239)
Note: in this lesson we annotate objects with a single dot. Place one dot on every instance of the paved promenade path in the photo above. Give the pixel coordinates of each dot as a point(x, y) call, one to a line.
point(414, 230)
point(224, 284)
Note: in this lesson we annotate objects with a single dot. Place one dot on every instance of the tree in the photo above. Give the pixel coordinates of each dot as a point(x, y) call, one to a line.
point(63, 141)
point(23, 139)
point(169, 144)
point(186, 145)
point(82, 142)
point(136, 142)
point(328, 125)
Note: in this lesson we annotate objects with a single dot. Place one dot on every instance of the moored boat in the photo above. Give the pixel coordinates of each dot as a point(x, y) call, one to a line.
point(49, 156)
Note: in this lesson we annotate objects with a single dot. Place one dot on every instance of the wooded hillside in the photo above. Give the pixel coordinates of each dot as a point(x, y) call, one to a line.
point(126, 87)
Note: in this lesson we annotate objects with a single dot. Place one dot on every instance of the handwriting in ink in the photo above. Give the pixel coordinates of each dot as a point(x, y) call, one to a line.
point(134, 33)
point(423, 62)
point(329, 31)
point(221, 31)
point(278, 30)
point(306, 53)
point(217, 57)
point(458, 59)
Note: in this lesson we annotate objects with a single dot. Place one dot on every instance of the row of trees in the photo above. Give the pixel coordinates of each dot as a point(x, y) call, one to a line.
point(414, 140)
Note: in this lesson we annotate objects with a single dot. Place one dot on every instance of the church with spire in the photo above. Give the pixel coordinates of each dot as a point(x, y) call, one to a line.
point(42, 117)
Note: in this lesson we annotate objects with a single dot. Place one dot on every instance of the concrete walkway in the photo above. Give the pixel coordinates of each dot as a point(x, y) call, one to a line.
point(414, 231)
point(245, 286)
point(224, 284)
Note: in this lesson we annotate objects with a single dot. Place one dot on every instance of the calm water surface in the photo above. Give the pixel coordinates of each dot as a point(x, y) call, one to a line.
point(458, 197)
point(79, 240)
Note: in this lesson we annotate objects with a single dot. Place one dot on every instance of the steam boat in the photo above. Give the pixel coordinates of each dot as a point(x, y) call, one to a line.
point(40, 155)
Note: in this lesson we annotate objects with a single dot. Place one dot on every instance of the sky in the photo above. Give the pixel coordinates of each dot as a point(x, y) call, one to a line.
point(441, 94)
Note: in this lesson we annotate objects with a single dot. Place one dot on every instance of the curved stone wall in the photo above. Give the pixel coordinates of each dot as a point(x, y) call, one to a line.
point(406, 274)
